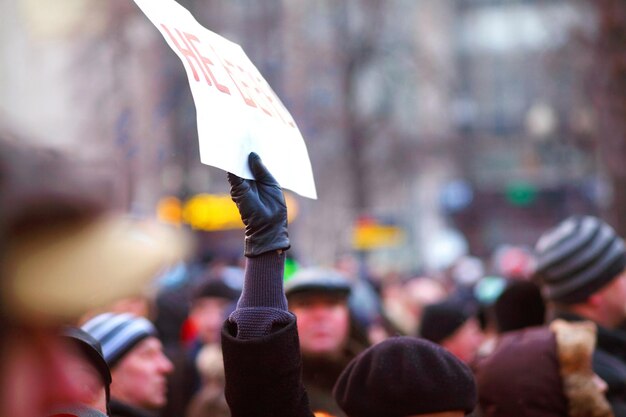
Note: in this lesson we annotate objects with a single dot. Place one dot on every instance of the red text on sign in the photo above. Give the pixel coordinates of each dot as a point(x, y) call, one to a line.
point(190, 51)
point(251, 88)
point(257, 95)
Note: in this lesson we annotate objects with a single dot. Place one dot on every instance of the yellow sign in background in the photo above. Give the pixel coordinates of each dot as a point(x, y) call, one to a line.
point(209, 212)
point(368, 235)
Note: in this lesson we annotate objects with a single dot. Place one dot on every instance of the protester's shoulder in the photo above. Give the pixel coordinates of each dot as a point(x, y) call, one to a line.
point(120, 409)
point(609, 367)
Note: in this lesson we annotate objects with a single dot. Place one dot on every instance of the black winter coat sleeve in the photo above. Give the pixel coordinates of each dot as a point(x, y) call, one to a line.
point(263, 375)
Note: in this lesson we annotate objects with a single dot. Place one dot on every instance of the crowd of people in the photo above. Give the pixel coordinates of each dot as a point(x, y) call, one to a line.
point(102, 315)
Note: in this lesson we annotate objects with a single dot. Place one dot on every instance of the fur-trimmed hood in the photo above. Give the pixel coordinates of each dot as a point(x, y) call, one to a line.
point(582, 387)
point(543, 372)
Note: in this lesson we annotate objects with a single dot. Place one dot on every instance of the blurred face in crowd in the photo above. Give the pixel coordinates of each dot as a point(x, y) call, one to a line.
point(465, 341)
point(139, 378)
point(420, 292)
point(613, 301)
point(38, 373)
point(323, 322)
point(207, 314)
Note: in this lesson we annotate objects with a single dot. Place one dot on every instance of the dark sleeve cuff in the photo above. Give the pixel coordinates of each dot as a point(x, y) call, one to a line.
point(263, 374)
point(254, 322)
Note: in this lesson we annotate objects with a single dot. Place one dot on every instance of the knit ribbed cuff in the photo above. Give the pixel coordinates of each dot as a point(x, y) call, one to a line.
point(255, 322)
point(262, 307)
point(263, 282)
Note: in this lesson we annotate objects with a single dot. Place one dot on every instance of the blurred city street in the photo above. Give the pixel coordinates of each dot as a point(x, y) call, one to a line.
point(475, 120)
point(465, 255)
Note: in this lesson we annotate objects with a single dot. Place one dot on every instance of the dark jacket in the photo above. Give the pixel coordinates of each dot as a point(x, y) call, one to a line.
point(542, 372)
point(319, 376)
point(250, 364)
point(609, 362)
point(120, 409)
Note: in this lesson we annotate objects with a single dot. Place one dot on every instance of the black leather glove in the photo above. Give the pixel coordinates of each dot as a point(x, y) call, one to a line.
point(262, 208)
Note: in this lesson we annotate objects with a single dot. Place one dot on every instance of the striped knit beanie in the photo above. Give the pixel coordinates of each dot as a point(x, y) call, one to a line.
point(118, 333)
point(577, 258)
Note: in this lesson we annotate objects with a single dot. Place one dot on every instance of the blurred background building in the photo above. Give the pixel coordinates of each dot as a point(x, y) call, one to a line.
point(435, 127)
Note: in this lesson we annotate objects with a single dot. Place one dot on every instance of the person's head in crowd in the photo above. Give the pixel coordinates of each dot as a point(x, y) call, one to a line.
point(319, 299)
point(543, 372)
point(467, 270)
point(62, 253)
point(135, 355)
point(406, 377)
point(581, 266)
point(33, 375)
point(486, 292)
point(210, 399)
point(210, 364)
point(422, 291)
point(208, 308)
point(405, 307)
point(88, 365)
point(520, 305)
point(348, 265)
point(453, 325)
point(512, 262)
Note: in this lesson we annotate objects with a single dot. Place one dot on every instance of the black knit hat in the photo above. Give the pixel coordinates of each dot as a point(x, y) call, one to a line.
point(442, 319)
point(519, 306)
point(577, 258)
point(92, 351)
point(404, 376)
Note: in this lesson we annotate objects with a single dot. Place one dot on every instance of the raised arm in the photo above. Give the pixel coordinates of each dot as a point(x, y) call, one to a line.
point(260, 340)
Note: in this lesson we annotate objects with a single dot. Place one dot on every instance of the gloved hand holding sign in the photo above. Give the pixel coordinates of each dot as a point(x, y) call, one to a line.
point(262, 208)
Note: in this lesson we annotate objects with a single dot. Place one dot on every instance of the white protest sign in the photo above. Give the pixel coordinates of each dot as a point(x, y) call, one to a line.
point(237, 110)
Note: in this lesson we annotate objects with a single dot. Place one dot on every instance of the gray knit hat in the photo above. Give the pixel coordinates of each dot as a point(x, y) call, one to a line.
point(577, 258)
point(318, 280)
point(118, 333)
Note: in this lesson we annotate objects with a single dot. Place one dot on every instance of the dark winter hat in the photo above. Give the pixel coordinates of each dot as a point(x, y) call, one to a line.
point(118, 333)
point(519, 306)
point(441, 320)
point(404, 376)
point(317, 280)
point(92, 351)
point(216, 288)
point(577, 258)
